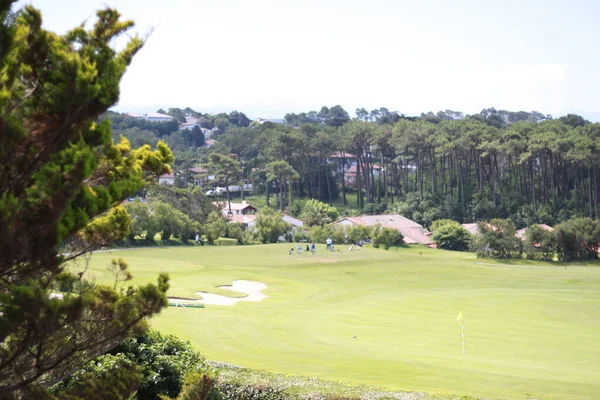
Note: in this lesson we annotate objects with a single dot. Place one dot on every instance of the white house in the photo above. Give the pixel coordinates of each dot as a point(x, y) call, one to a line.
point(152, 117)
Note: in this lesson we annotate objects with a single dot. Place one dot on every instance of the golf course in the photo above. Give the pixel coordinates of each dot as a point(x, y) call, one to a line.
point(387, 318)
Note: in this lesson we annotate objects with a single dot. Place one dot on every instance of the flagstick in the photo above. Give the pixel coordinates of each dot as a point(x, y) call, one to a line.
point(462, 324)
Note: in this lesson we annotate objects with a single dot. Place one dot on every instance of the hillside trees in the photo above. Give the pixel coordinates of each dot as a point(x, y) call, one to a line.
point(61, 180)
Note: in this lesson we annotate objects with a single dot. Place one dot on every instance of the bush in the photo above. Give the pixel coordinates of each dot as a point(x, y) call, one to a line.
point(497, 240)
point(163, 360)
point(215, 226)
point(108, 377)
point(540, 244)
point(239, 391)
point(317, 213)
point(319, 234)
point(450, 235)
point(235, 231)
point(226, 242)
point(578, 239)
point(200, 386)
point(386, 237)
point(270, 225)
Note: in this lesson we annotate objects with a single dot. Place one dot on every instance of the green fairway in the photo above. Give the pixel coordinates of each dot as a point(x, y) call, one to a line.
point(388, 318)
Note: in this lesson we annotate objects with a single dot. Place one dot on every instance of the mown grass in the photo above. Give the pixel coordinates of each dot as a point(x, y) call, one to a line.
point(388, 318)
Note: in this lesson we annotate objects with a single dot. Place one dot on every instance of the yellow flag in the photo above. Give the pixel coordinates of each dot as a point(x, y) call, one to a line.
point(459, 318)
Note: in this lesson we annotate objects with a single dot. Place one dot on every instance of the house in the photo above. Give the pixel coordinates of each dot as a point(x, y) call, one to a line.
point(152, 117)
point(197, 173)
point(521, 233)
point(166, 179)
point(472, 228)
point(413, 232)
point(350, 175)
point(274, 121)
point(242, 208)
point(209, 143)
point(248, 221)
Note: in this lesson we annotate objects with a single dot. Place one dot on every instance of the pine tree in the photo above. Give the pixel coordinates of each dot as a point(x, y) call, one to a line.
point(61, 181)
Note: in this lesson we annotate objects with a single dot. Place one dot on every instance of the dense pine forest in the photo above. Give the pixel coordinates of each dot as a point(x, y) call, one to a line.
point(525, 166)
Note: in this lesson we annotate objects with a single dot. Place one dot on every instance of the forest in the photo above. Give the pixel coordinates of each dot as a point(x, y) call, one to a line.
point(525, 166)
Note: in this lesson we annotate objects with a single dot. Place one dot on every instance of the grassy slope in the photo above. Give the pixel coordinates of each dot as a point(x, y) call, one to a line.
point(532, 331)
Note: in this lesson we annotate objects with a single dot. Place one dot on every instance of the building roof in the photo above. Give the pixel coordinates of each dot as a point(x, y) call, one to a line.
point(149, 115)
point(342, 154)
point(198, 170)
point(352, 169)
point(167, 176)
point(293, 221)
point(386, 220)
point(522, 232)
point(471, 228)
point(234, 206)
point(412, 231)
point(242, 218)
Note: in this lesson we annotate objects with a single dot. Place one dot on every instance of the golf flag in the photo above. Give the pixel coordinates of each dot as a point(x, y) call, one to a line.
point(460, 317)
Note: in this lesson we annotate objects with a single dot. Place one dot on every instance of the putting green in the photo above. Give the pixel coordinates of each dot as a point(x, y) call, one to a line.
point(388, 318)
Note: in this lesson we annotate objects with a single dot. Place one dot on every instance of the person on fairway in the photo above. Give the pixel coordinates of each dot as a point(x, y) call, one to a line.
point(313, 248)
point(329, 242)
point(299, 248)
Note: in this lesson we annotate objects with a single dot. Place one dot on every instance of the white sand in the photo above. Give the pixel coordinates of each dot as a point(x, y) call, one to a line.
point(251, 288)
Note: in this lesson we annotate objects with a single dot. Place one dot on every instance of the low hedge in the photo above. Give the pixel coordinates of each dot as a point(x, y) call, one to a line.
point(226, 242)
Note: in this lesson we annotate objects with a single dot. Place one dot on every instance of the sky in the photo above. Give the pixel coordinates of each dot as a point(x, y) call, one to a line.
point(270, 57)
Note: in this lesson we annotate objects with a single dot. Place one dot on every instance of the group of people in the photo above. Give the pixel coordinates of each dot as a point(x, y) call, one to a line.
point(330, 247)
point(312, 248)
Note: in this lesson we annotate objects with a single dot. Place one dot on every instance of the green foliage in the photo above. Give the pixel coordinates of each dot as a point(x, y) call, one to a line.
point(270, 225)
point(496, 239)
point(163, 360)
point(450, 235)
point(319, 234)
point(61, 179)
point(173, 222)
point(540, 243)
point(235, 231)
point(108, 377)
point(578, 239)
point(318, 213)
point(226, 242)
point(386, 237)
point(215, 226)
point(241, 391)
point(143, 225)
point(200, 386)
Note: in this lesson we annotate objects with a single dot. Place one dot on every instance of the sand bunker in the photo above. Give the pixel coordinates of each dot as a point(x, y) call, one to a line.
point(251, 288)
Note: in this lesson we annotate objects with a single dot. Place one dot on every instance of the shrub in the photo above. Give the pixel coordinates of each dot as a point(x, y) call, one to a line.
point(108, 377)
point(497, 240)
point(540, 244)
point(386, 237)
point(200, 386)
point(270, 225)
point(163, 360)
point(317, 213)
point(215, 226)
point(450, 235)
point(235, 231)
point(239, 391)
point(226, 242)
point(578, 239)
point(319, 234)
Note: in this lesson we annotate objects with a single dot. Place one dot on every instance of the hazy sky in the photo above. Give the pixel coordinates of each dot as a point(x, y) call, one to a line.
point(269, 57)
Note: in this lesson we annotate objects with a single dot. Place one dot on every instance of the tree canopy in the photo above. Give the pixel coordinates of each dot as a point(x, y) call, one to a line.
point(61, 182)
